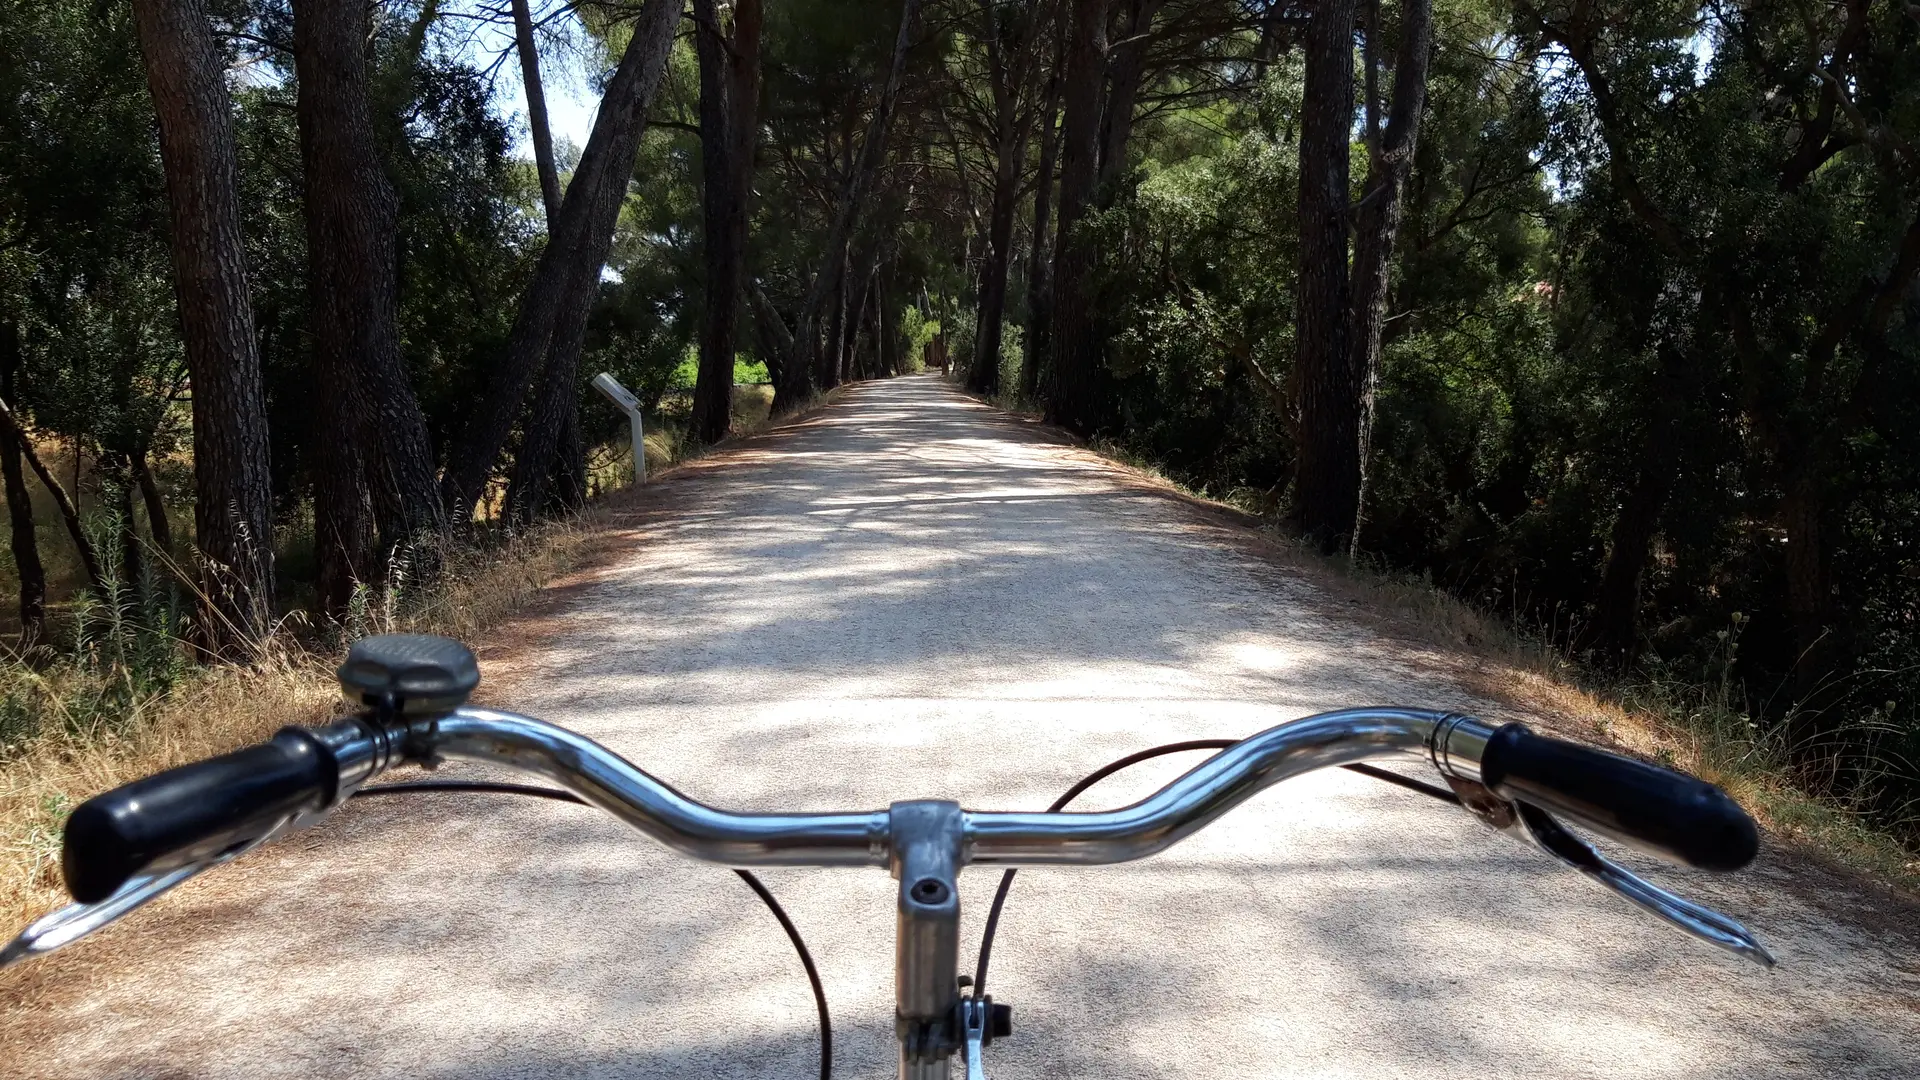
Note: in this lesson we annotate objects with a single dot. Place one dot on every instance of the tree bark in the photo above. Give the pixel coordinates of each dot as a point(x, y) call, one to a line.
point(713, 383)
point(1071, 383)
point(1327, 473)
point(1615, 632)
point(1379, 226)
point(233, 523)
point(25, 540)
point(551, 307)
point(1033, 345)
point(730, 77)
point(537, 127)
point(889, 324)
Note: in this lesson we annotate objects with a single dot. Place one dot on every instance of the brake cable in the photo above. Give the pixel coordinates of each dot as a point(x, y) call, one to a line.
point(759, 888)
point(417, 787)
point(1094, 777)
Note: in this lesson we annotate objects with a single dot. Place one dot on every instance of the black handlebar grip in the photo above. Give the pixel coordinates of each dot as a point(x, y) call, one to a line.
point(192, 812)
point(1658, 810)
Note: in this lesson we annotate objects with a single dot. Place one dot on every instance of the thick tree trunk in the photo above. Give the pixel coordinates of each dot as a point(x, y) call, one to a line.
point(549, 436)
point(350, 216)
point(1033, 345)
point(1379, 225)
point(852, 201)
point(1071, 390)
point(1327, 470)
point(1809, 598)
point(1615, 632)
point(731, 78)
point(713, 384)
point(25, 541)
point(233, 523)
point(536, 110)
point(581, 239)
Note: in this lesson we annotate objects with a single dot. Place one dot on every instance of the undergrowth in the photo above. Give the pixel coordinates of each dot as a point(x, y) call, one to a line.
point(125, 700)
point(1692, 720)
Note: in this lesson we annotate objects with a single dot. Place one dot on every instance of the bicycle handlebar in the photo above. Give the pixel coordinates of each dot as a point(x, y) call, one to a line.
point(197, 810)
point(126, 846)
point(192, 813)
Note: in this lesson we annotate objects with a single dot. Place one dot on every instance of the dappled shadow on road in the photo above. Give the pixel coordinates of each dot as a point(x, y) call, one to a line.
point(910, 595)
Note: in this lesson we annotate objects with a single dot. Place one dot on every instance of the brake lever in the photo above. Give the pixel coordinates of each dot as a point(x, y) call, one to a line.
point(1542, 830)
point(75, 921)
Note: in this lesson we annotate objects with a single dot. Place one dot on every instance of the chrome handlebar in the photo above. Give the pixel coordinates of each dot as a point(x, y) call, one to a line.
point(925, 843)
point(1152, 825)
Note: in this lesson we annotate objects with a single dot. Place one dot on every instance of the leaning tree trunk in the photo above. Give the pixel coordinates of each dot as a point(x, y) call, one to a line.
point(1071, 384)
point(580, 240)
point(1380, 213)
point(157, 522)
point(233, 522)
point(25, 541)
point(1327, 469)
point(537, 127)
point(12, 431)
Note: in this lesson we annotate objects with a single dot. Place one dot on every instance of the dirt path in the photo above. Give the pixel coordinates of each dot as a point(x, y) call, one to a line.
point(910, 595)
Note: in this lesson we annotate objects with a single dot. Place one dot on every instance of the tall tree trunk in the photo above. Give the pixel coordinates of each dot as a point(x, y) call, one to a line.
point(730, 77)
point(233, 522)
point(1033, 345)
point(25, 541)
point(1380, 212)
point(1007, 74)
point(1071, 384)
point(852, 201)
point(536, 110)
point(570, 265)
point(1327, 471)
point(121, 494)
point(778, 348)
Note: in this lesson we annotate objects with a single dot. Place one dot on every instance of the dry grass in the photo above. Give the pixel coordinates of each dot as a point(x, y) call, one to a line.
point(215, 709)
point(1700, 730)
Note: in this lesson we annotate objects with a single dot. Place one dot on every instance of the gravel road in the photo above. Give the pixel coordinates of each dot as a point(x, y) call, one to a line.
point(909, 595)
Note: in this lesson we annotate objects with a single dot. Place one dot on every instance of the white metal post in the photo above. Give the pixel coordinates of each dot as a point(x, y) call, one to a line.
point(630, 405)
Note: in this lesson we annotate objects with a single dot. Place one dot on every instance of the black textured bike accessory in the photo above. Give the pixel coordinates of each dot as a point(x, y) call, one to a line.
point(1657, 810)
point(422, 674)
point(193, 812)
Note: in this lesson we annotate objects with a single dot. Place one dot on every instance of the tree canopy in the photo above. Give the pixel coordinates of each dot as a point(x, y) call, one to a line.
point(1598, 313)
